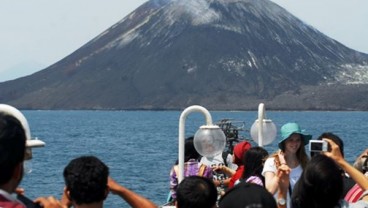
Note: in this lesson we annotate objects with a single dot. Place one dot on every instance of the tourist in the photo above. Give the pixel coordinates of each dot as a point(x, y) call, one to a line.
point(87, 184)
point(348, 182)
point(196, 192)
point(220, 178)
point(192, 167)
point(321, 183)
point(247, 195)
point(253, 165)
point(291, 154)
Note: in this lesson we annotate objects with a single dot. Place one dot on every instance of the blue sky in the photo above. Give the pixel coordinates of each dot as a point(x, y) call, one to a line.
point(38, 33)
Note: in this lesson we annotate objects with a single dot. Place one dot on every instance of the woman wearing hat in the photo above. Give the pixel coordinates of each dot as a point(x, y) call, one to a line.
point(291, 154)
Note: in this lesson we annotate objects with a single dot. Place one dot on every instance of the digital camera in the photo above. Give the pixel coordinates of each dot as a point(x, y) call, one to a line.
point(317, 146)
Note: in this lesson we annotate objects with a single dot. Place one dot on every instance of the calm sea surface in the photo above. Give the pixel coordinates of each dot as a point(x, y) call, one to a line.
point(141, 146)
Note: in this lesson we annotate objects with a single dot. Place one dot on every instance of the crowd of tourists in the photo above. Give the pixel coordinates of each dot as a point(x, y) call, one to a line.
point(289, 177)
point(249, 177)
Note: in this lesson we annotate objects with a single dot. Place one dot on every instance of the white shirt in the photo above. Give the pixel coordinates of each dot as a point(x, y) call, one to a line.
point(219, 160)
point(270, 166)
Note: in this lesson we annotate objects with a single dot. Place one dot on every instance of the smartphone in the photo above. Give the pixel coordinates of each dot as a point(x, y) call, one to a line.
point(317, 146)
point(29, 203)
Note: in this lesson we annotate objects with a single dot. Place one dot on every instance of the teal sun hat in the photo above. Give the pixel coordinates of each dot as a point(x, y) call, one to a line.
point(293, 128)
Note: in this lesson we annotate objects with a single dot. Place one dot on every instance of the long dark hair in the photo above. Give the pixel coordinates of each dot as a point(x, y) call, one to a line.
point(253, 161)
point(189, 151)
point(320, 185)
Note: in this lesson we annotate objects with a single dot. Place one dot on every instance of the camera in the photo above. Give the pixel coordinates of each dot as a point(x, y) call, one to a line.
point(26, 201)
point(317, 146)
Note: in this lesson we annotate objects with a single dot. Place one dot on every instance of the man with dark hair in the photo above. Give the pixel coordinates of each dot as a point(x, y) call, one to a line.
point(12, 150)
point(87, 184)
point(196, 192)
point(86, 180)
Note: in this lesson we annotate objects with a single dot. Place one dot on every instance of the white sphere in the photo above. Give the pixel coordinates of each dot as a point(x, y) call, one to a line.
point(209, 141)
point(269, 131)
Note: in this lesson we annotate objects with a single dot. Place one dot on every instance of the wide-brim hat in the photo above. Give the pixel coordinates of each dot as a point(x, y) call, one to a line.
point(293, 128)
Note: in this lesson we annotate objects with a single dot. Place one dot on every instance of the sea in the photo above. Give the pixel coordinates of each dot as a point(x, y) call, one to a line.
point(140, 147)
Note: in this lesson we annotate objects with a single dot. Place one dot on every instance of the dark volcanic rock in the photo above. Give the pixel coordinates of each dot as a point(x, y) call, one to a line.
point(222, 54)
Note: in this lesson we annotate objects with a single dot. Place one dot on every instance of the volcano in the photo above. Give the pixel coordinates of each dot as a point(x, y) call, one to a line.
point(221, 54)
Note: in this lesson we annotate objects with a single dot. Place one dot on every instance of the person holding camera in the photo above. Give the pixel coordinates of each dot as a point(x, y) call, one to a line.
point(348, 182)
point(321, 183)
point(291, 155)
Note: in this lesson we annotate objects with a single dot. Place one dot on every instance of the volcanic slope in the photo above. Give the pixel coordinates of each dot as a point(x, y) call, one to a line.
point(222, 54)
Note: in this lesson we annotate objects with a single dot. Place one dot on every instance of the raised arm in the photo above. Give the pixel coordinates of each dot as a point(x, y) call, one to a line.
point(283, 173)
point(133, 199)
point(357, 176)
point(269, 172)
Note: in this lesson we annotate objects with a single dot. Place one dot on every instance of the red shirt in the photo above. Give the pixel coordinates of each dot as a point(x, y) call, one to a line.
point(236, 176)
point(6, 201)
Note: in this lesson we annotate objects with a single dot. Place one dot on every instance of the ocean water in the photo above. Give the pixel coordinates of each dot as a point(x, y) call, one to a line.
point(140, 147)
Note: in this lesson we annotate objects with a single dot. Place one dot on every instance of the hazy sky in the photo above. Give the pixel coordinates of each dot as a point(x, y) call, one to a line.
point(38, 33)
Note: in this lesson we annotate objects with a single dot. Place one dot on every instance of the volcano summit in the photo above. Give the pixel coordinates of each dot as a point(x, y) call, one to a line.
point(222, 54)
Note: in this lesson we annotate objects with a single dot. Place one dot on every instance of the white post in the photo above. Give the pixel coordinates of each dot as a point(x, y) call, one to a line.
point(183, 116)
point(261, 116)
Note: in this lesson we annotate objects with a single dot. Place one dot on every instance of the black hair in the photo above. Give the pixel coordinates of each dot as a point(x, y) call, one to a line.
point(320, 185)
point(336, 139)
point(86, 179)
point(245, 195)
point(189, 150)
point(196, 192)
point(253, 161)
point(12, 146)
